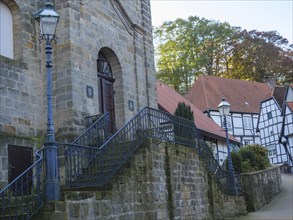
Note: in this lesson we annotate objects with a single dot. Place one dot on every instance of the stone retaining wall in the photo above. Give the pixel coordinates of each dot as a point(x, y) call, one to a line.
point(164, 181)
point(261, 187)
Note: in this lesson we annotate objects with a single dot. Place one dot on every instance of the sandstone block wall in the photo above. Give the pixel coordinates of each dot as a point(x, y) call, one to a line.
point(261, 187)
point(122, 30)
point(164, 181)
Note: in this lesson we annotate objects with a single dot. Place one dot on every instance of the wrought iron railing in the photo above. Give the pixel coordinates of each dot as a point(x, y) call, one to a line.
point(24, 195)
point(97, 133)
point(88, 166)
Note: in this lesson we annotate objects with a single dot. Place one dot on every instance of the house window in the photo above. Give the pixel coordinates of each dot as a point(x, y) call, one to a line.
point(246, 142)
point(6, 31)
point(229, 122)
point(272, 150)
point(269, 114)
point(247, 123)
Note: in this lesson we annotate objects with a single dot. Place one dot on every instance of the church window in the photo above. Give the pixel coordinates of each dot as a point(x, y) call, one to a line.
point(6, 31)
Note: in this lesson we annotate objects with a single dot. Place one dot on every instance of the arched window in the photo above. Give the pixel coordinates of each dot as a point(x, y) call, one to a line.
point(6, 31)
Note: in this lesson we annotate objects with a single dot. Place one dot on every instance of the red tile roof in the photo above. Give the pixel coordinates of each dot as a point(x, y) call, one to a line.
point(290, 105)
point(244, 96)
point(168, 99)
point(279, 94)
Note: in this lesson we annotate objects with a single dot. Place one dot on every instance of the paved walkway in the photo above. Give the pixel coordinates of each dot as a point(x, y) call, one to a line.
point(281, 208)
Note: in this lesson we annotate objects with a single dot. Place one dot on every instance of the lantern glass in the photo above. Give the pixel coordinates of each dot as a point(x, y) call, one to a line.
point(48, 26)
point(48, 22)
point(224, 108)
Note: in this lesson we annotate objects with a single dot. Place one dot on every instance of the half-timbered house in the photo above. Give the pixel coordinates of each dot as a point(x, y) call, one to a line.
point(244, 97)
point(286, 136)
point(270, 123)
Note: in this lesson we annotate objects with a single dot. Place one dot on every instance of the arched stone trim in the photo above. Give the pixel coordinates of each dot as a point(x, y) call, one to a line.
point(17, 28)
point(118, 85)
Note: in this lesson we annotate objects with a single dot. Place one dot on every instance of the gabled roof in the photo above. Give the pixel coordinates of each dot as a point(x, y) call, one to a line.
point(168, 100)
point(279, 95)
point(244, 96)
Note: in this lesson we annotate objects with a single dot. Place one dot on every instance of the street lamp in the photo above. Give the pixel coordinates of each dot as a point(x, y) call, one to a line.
point(224, 109)
point(48, 19)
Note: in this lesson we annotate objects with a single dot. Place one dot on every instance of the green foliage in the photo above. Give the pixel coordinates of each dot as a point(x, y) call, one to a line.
point(184, 111)
point(246, 167)
point(236, 161)
point(248, 158)
point(189, 48)
point(261, 156)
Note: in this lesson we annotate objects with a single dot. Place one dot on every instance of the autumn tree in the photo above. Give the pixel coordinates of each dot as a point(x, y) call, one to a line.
point(189, 48)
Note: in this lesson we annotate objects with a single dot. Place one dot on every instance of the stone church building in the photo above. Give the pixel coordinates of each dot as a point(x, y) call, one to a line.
point(103, 61)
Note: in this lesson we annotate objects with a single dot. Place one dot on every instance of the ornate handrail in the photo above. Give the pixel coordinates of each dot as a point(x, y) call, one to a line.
point(23, 197)
point(96, 134)
point(98, 165)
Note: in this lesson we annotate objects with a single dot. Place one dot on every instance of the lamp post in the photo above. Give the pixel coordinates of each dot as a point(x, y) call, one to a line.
point(48, 20)
point(224, 109)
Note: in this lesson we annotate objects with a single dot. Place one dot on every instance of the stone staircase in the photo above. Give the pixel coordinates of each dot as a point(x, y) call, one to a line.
point(54, 210)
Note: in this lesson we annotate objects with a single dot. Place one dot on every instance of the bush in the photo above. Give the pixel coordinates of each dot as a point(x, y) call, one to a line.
point(183, 135)
point(236, 161)
point(246, 167)
point(249, 158)
point(261, 156)
point(184, 111)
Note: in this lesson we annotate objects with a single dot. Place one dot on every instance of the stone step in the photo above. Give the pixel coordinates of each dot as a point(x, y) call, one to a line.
point(53, 210)
point(18, 204)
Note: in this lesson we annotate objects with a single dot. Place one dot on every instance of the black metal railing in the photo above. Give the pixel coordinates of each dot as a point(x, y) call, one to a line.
point(88, 166)
point(24, 195)
point(96, 133)
point(94, 157)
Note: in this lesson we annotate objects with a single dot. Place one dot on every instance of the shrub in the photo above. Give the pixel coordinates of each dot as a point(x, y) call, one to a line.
point(261, 156)
point(237, 161)
point(249, 158)
point(246, 167)
point(183, 135)
point(184, 111)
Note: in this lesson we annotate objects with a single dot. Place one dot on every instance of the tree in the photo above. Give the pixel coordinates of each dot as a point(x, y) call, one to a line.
point(261, 55)
point(184, 111)
point(196, 46)
point(183, 135)
point(189, 48)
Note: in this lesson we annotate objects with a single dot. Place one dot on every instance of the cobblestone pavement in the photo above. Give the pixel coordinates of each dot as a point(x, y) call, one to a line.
point(281, 208)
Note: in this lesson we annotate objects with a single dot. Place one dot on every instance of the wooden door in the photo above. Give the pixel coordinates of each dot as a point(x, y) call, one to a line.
point(19, 159)
point(108, 105)
point(107, 99)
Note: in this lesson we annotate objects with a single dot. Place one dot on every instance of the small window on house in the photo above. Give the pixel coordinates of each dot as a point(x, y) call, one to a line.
point(269, 114)
point(6, 31)
point(246, 142)
point(247, 122)
point(272, 150)
point(229, 122)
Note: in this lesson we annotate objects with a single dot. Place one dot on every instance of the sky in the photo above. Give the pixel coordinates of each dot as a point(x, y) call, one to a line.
point(269, 15)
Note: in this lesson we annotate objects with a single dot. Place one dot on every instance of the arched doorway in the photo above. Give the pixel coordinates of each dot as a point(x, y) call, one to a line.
point(106, 88)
